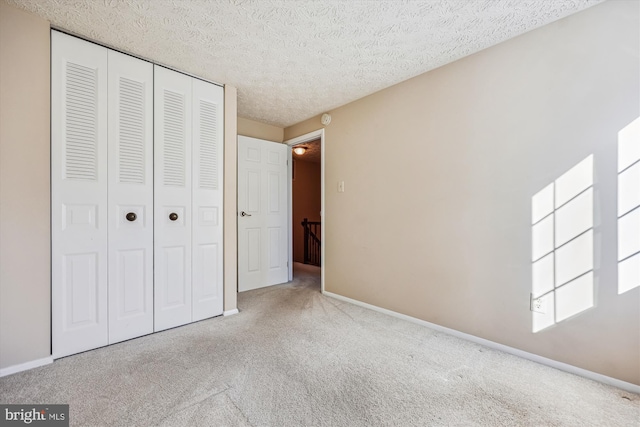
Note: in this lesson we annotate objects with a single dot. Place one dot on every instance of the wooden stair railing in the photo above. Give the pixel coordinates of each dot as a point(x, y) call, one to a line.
point(311, 242)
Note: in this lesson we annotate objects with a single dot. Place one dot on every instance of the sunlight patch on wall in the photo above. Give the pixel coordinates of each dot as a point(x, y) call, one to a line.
point(562, 247)
point(629, 207)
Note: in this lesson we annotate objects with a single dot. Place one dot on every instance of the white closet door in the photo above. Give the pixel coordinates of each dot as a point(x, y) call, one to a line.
point(130, 197)
point(78, 195)
point(172, 200)
point(207, 200)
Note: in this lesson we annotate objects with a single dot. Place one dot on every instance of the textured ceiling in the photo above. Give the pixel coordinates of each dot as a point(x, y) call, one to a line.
point(293, 59)
point(312, 154)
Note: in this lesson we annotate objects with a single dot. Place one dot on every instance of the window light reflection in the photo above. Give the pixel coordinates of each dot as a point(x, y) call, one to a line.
point(629, 207)
point(562, 247)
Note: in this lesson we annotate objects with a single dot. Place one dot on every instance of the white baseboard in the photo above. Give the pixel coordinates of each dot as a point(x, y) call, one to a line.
point(633, 388)
point(230, 312)
point(25, 366)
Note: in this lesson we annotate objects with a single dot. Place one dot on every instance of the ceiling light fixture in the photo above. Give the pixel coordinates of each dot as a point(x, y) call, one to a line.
point(299, 150)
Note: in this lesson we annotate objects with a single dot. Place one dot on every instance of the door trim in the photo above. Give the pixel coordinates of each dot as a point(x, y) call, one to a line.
point(301, 140)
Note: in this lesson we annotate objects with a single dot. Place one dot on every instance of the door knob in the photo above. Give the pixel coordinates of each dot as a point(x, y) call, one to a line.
point(173, 216)
point(131, 216)
point(243, 213)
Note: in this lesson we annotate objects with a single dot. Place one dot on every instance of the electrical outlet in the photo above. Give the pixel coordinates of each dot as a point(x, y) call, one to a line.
point(538, 305)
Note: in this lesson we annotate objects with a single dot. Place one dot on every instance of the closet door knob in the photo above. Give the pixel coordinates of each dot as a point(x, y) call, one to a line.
point(243, 213)
point(173, 216)
point(131, 216)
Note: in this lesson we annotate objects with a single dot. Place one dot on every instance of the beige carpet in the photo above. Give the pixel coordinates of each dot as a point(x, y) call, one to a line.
point(293, 357)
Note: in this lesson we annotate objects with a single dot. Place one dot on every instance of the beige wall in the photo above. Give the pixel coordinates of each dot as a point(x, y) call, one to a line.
point(443, 167)
point(302, 128)
point(259, 130)
point(25, 280)
point(230, 199)
point(306, 202)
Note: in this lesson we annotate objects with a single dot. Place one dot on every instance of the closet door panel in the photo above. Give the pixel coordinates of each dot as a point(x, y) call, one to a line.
point(172, 200)
point(78, 195)
point(207, 274)
point(130, 197)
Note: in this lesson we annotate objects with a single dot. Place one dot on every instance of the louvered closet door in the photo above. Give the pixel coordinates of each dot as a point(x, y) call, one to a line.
point(130, 165)
point(207, 200)
point(78, 195)
point(172, 200)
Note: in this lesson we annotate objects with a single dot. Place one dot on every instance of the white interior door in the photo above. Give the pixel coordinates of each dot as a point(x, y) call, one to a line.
point(172, 199)
point(78, 195)
point(207, 278)
point(130, 165)
point(262, 213)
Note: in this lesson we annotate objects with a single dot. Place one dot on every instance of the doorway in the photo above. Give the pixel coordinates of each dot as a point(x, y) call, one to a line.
point(306, 203)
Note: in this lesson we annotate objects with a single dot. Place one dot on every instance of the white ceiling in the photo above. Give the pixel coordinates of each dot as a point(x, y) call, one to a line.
point(294, 59)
